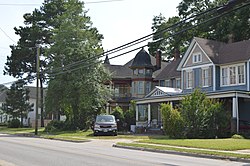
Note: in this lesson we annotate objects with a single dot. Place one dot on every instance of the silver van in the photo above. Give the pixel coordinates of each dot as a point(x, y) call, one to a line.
point(105, 125)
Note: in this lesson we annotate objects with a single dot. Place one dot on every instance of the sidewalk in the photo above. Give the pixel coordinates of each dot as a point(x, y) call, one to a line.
point(193, 154)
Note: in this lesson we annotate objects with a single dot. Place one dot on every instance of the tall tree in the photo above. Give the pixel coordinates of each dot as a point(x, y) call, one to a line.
point(80, 85)
point(236, 24)
point(37, 31)
point(17, 102)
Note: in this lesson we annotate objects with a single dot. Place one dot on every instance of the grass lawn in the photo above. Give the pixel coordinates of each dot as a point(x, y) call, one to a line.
point(76, 135)
point(224, 154)
point(217, 144)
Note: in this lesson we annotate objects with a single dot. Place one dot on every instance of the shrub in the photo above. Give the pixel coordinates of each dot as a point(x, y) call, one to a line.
point(173, 124)
point(237, 136)
point(14, 123)
point(129, 118)
point(54, 125)
point(118, 113)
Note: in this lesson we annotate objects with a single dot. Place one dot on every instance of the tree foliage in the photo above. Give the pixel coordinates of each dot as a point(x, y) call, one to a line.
point(17, 102)
point(236, 24)
point(76, 91)
point(118, 113)
point(173, 123)
point(37, 31)
point(203, 117)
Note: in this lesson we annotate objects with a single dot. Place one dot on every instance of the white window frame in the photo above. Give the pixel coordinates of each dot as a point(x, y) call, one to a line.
point(230, 76)
point(167, 83)
point(148, 87)
point(140, 71)
point(205, 77)
point(189, 81)
point(197, 57)
point(178, 80)
point(243, 75)
point(140, 87)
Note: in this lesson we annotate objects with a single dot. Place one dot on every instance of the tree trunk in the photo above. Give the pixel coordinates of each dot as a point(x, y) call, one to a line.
point(41, 96)
point(21, 119)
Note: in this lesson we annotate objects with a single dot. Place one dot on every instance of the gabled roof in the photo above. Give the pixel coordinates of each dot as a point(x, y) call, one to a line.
point(163, 91)
point(119, 71)
point(170, 71)
point(219, 52)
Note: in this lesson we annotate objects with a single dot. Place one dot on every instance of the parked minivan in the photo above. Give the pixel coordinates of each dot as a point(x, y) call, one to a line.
point(105, 125)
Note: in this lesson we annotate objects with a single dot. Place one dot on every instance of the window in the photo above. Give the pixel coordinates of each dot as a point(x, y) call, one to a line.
point(140, 71)
point(241, 76)
point(167, 83)
point(148, 87)
point(178, 83)
point(162, 83)
point(205, 77)
point(148, 71)
point(224, 76)
point(140, 87)
point(189, 79)
point(233, 75)
point(197, 58)
point(134, 87)
point(135, 72)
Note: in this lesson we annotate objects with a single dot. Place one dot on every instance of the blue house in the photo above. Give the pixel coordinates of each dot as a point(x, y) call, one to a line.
point(219, 69)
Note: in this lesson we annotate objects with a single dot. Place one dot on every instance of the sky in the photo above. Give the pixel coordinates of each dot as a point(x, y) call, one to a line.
point(119, 21)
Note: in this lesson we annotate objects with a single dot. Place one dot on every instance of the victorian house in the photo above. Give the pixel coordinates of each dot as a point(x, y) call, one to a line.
point(219, 69)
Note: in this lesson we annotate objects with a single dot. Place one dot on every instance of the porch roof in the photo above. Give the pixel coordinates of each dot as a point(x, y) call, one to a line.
point(180, 96)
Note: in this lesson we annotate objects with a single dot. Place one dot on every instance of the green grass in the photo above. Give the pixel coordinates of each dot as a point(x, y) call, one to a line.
point(18, 130)
point(76, 135)
point(217, 144)
point(224, 154)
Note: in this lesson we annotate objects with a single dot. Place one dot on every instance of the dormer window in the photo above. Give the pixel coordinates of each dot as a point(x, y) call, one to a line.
point(135, 72)
point(140, 71)
point(197, 58)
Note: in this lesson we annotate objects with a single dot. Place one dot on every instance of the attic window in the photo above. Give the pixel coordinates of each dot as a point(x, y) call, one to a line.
point(197, 58)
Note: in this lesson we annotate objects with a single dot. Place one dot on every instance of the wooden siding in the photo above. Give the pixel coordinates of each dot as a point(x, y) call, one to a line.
point(189, 60)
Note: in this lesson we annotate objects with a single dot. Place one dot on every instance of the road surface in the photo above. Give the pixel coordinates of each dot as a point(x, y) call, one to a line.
point(27, 151)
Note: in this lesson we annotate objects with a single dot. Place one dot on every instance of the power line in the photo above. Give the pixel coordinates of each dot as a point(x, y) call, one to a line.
point(34, 4)
point(177, 33)
point(7, 35)
point(137, 41)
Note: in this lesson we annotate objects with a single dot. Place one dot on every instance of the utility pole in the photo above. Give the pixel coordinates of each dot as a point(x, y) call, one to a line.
point(37, 86)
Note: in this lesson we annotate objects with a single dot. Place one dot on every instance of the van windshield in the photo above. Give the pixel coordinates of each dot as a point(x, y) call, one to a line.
point(105, 118)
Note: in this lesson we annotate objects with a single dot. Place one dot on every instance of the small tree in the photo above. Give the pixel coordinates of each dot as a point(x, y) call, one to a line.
point(173, 124)
point(129, 115)
point(118, 113)
point(203, 117)
point(17, 102)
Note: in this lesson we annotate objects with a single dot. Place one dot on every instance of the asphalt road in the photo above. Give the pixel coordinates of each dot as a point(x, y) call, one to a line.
point(26, 151)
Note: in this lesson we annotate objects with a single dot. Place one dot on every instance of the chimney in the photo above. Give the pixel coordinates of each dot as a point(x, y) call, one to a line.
point(106, 61)
point(158, 59)
point(230, 38)
point(176, 54)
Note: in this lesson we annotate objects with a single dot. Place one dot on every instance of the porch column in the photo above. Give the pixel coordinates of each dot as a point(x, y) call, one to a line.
point(149, 114)
point(137, 114)
point(107, 108)
point(171, 103)
point(235, 116)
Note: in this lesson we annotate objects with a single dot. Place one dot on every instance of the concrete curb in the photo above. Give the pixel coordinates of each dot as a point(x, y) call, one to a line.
point(185, 153)
point(57, 139)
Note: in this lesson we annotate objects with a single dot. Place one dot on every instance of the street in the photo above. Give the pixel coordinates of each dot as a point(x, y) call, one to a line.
point(27, 151)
